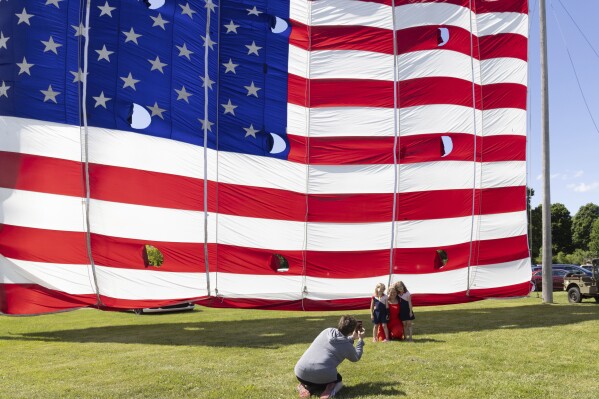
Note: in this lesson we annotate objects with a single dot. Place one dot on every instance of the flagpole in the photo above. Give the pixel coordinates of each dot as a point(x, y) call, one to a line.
point(547, 284)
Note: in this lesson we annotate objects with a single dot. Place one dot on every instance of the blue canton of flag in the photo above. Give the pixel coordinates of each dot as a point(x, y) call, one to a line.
point(155, 59)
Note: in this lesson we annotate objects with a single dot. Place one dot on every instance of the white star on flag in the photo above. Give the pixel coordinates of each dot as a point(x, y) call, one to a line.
point(106, 9)
point(156, 110)
point(230, 66)
point(253, 11)
point(104, 54)
point(158, 21)
point(186, 10)
point(184, 52)
point(131, 36)
point(3, 40)
point(157, 65)
point(50, 95)
point(4, 90)
point(101, 100)
point(252, 89)
point(183, 94)
point(231, 27)
point(51, 45)
point(129, 81)
point(24, 67)
point(252, 48)
point(250, 131)
point(24, 17)
point(229, 108)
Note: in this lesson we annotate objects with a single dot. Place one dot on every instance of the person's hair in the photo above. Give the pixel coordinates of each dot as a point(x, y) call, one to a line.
point(401, 284)
point(347, 324)
point(379, 285)
point(392, 288)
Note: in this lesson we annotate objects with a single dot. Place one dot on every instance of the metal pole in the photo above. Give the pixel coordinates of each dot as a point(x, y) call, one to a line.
point(545, 169)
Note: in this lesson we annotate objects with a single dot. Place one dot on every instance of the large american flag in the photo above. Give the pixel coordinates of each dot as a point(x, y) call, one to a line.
point(355, 142)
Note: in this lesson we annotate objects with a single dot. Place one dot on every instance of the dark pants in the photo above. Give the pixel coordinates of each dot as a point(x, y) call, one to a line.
point(314, 388)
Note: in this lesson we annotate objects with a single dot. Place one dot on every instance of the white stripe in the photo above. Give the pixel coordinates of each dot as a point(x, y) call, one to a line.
point(136, 221)
point(135, 284)
point(341, 12)
point(341, 64)
point(282, 287)
point(173, 225)
point(504, 70)
point(495, 23)
point(148, 284)
point(364, 65)
point(357, 13)
point(424, 119)
point(31, 136)
point(41, 210)
point(113, 282)
point(156, 154)
point(110, 147)
point(72, 279)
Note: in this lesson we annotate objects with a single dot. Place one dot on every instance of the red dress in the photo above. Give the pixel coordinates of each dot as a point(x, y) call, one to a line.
point(394, 324)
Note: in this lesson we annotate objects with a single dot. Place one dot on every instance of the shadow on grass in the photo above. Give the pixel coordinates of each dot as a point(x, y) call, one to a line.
point(379, 389)
point(273, 333)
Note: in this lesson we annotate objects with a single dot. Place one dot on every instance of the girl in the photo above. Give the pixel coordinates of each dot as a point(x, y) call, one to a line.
point(394, 325)
point(406, 313)
point(378, 311)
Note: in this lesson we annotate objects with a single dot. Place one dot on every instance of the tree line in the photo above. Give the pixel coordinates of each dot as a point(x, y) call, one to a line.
point(574, 239)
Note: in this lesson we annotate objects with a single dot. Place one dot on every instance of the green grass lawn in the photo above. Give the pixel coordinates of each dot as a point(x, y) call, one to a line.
point(519, 348)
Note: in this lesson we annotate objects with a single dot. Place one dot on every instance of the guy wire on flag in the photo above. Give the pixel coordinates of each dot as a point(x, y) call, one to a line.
point(205, 126)
point(83, 105)
point(396, 138)
point(584, 99)
point(216, 132)
point(529, 144)
point(474, 152)
point(308, 113)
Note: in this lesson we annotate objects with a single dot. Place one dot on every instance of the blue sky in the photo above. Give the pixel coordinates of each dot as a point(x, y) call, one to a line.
point(573, 136)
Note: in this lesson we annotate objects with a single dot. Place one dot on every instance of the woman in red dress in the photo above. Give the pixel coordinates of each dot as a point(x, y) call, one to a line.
point(394, 324)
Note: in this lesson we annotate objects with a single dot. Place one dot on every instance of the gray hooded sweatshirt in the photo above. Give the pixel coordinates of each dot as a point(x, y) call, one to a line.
point(319, 363)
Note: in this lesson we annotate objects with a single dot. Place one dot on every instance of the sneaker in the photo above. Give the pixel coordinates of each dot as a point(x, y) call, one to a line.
point(337, 388)
point(303, 392)
point(329, 391)
point(385, 340)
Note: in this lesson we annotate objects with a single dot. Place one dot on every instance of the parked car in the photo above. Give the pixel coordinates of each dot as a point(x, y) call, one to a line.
point(558, 279)
point(181, 307)
point(587, 267)
point(570, 268)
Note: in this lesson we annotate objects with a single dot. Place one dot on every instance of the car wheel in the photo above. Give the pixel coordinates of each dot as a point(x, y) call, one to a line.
point(138, 311)
point(597, 299)
point(574, 295)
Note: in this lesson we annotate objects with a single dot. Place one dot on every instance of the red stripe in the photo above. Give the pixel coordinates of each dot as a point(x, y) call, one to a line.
point(411, 149)
point(413, 92)
point(287, 205)
point(42, 174)
point(506, 45)
point(516, 290)
point(418, 38)
point(277, 204)
point(40, 245)
point(189, 257)
point(481, 6)
point(30, 299)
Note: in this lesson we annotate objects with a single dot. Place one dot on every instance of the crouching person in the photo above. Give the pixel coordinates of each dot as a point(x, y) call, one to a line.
point(317, 368)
